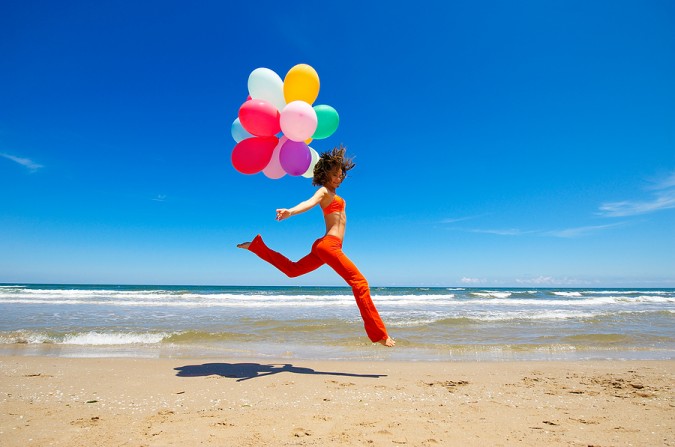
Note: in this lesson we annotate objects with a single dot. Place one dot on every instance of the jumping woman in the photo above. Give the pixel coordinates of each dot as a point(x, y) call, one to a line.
point(329, 172)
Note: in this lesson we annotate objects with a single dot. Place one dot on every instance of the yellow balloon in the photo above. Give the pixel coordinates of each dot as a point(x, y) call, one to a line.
point(308, 140)
point(301, 84)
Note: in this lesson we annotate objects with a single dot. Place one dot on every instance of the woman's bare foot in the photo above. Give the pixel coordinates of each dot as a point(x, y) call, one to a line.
point(388, 342)
point(246, 245)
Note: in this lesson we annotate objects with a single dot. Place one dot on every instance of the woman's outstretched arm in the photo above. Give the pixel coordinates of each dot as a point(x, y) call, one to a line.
point(301, 207)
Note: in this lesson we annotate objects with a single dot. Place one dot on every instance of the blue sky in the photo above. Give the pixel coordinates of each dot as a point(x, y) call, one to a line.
point(526, 143)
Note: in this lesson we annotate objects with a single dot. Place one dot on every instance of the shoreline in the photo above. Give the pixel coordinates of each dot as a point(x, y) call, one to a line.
point(259, 401)
point(404, 352)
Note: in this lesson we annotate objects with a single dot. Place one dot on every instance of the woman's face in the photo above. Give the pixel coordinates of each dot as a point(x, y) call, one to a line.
point(335, 177)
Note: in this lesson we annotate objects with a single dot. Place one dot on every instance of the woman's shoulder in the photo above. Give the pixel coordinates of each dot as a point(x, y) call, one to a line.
point(322, 192)
point(325, 196)
point(320, 195)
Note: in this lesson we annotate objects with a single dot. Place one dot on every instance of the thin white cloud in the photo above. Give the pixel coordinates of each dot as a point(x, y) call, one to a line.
point(562, 233)
point(25, 162)
point(502, 232)
point(534, 281)
point(551, 281)
point(159, 198)
point(538, 281)
point(450, 220)
point(466, 280)
point(582, 231)
point(662, 198)
point(664, 183)
point(454, 219)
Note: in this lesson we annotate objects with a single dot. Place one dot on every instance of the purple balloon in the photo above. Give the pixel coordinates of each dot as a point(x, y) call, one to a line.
point(295, 157)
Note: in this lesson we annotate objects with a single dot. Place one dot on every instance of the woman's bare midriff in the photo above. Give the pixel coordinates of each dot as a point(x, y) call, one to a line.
point(336, 224)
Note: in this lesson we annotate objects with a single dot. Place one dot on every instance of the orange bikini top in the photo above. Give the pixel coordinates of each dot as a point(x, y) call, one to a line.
point(336, 206)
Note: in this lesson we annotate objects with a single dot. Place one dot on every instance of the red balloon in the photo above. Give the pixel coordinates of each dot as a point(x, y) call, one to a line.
point(259, 118)
point(251, 155)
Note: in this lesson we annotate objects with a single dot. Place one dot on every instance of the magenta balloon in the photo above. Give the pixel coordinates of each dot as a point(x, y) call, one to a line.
point(259, 118)
point(251, 155)
point(295, 157)
point(298, 121)
point(274, 170)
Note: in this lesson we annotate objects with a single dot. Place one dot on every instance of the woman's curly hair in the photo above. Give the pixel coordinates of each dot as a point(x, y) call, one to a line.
point(330, 160)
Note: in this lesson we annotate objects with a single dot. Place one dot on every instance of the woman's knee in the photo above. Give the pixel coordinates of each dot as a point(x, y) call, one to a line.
point(359, 285)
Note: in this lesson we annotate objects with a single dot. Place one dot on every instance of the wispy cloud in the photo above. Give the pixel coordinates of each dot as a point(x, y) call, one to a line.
point(502, 232)
point(451, 220)
point(551, 281)
point(25, 162)
point(538, 281)
point(662, 198)
point(664, 183)
point(573, 232)
point(582, 231)
point(467, 280)
point(159, 198)
point(534, 281)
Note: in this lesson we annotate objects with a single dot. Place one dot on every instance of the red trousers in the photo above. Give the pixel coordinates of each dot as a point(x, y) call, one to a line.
point(328, 250)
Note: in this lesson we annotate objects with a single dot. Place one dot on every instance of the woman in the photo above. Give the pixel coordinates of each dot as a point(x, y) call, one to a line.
point(329, 172)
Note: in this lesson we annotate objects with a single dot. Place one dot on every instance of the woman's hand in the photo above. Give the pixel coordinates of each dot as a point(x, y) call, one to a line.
point(283, 213)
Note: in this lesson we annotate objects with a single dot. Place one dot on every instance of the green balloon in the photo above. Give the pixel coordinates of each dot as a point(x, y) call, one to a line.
point(327, 121)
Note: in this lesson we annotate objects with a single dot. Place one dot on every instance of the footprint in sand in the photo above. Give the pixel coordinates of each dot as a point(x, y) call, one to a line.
point(301, 432)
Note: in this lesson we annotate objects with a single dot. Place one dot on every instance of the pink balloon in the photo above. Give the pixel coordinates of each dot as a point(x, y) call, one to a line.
point(259, 118)
point(251, 155)
point(274, 170)
point(298, 121)
point(295, 157)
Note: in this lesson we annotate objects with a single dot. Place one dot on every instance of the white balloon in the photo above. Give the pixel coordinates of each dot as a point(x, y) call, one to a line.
point(315, 158)
point(265, 84)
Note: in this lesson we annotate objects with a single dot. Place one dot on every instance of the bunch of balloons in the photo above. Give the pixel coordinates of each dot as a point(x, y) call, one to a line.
point(277, 122)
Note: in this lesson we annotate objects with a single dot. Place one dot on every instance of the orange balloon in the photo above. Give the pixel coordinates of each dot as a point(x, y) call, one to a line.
point(301, 84)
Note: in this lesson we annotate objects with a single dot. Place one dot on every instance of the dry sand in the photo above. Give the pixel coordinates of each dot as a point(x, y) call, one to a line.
point(48, 401)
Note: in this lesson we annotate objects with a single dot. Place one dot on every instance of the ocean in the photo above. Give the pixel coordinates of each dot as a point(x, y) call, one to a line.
point(428, 324)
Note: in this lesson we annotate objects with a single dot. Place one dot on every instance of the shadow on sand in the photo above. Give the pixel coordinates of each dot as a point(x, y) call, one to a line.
point(245, 371)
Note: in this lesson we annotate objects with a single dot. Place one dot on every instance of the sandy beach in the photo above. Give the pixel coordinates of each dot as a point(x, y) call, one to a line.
point(49, 401)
